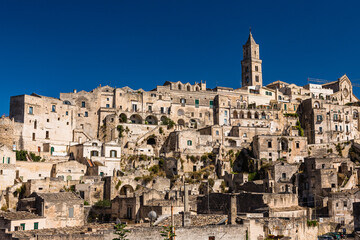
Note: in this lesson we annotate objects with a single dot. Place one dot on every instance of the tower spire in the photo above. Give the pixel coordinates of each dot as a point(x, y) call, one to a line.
point(251, 63)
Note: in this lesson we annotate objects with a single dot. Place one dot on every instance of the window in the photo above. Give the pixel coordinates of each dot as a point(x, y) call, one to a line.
point(217, 132)
point(244, 135)
point(35, 124)
point(320, 129)
point(225, 113)
point(211, 104)
point(162, 110)
point(107, 105)
point(283, 175)
point(319, 118)
point(225, 121)
point(336, 127)
point(83, 104)
point(36, 225)
point(182, 100)
point(47, 134)
point(197, 103)
point(335, 117)
point(345, 204)
point(94, 153)
point(192, 114)
point(31, 110)
point(257, 78)
point(134, 107)
point(107, 99)
point(33, 137)
point(297, 145)
point(256, 68)
point(189, 142)
point(22, 226)
point(8, 160)
point(47, 120)
point(333, 185)
point(71, 212)
point(269, 144)
point(285, 107)
point(150, 108)
point(86, 114)
point(53, 108)
point(322, 166)
point(113, 153)
point(66, 113)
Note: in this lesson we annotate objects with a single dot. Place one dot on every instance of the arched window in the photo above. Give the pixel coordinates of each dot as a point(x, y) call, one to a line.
point(316, 104)
point(113, 153)
point(179, 86)
point(94, 144)
point(188, 88)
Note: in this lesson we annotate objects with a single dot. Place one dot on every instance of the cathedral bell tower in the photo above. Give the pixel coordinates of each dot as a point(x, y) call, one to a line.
point(251, 70)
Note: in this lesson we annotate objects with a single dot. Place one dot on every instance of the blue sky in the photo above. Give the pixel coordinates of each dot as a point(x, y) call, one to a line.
point(55, 46)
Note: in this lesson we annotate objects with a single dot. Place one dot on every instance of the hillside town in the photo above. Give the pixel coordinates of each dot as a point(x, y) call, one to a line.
point(257, 162)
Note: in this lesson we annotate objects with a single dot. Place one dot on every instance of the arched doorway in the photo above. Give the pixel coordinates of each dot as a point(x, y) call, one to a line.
point(123, 118)
point(152, 120)
point(136, 119)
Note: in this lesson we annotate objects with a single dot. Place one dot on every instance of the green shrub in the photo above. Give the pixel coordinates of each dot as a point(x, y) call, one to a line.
point(103, 203)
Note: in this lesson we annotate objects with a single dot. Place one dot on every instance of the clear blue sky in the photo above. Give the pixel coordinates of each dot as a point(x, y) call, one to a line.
point(55, 46)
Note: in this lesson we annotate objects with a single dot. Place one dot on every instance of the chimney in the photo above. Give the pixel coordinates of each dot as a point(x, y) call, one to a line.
point(75, 91)
point(233, 210)
point(186, 219)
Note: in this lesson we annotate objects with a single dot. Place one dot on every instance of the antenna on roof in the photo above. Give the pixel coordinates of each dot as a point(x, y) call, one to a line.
point(317, 80)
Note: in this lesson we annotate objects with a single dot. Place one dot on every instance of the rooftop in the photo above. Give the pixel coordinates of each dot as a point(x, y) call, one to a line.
point(21, 215)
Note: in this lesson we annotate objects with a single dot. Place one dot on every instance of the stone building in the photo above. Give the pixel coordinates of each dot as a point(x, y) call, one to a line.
point(63, 209)
point(276, 147)
point(70, 170)
point(105, 156)
point(7, 167)
point(21, 221)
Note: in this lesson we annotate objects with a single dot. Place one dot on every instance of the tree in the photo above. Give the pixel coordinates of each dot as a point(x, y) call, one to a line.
point(121, 231)
point(168, 232)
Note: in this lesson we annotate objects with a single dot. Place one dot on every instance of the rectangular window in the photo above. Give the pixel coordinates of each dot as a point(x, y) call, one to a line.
point(22, 226)
point(107, 105)
point(150, 108)
point(196, 103)
point(189, 142)
point(297, 145)
point(285, 107)
point(336, 127)
point(211, 104)
point(66, 113)
point(86, 114)
point(320, 129)
point(31, 110)
point(53, 108)
point(162, 110)
point(33, 137)
point(294, 108)
point(36, 225)
point(345, 204)
point(83, 104)
point(225, 113)
point(134, 108)
point(47, 134)
point(8, 160)
point(269, 144)
point(335, 117)
point(182, 100)
point(257, 78)
point(319, 118)
point(225, 121)
point(71, 212)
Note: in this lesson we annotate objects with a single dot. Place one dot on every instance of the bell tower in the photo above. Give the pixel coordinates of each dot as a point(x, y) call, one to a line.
point(251, 69)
